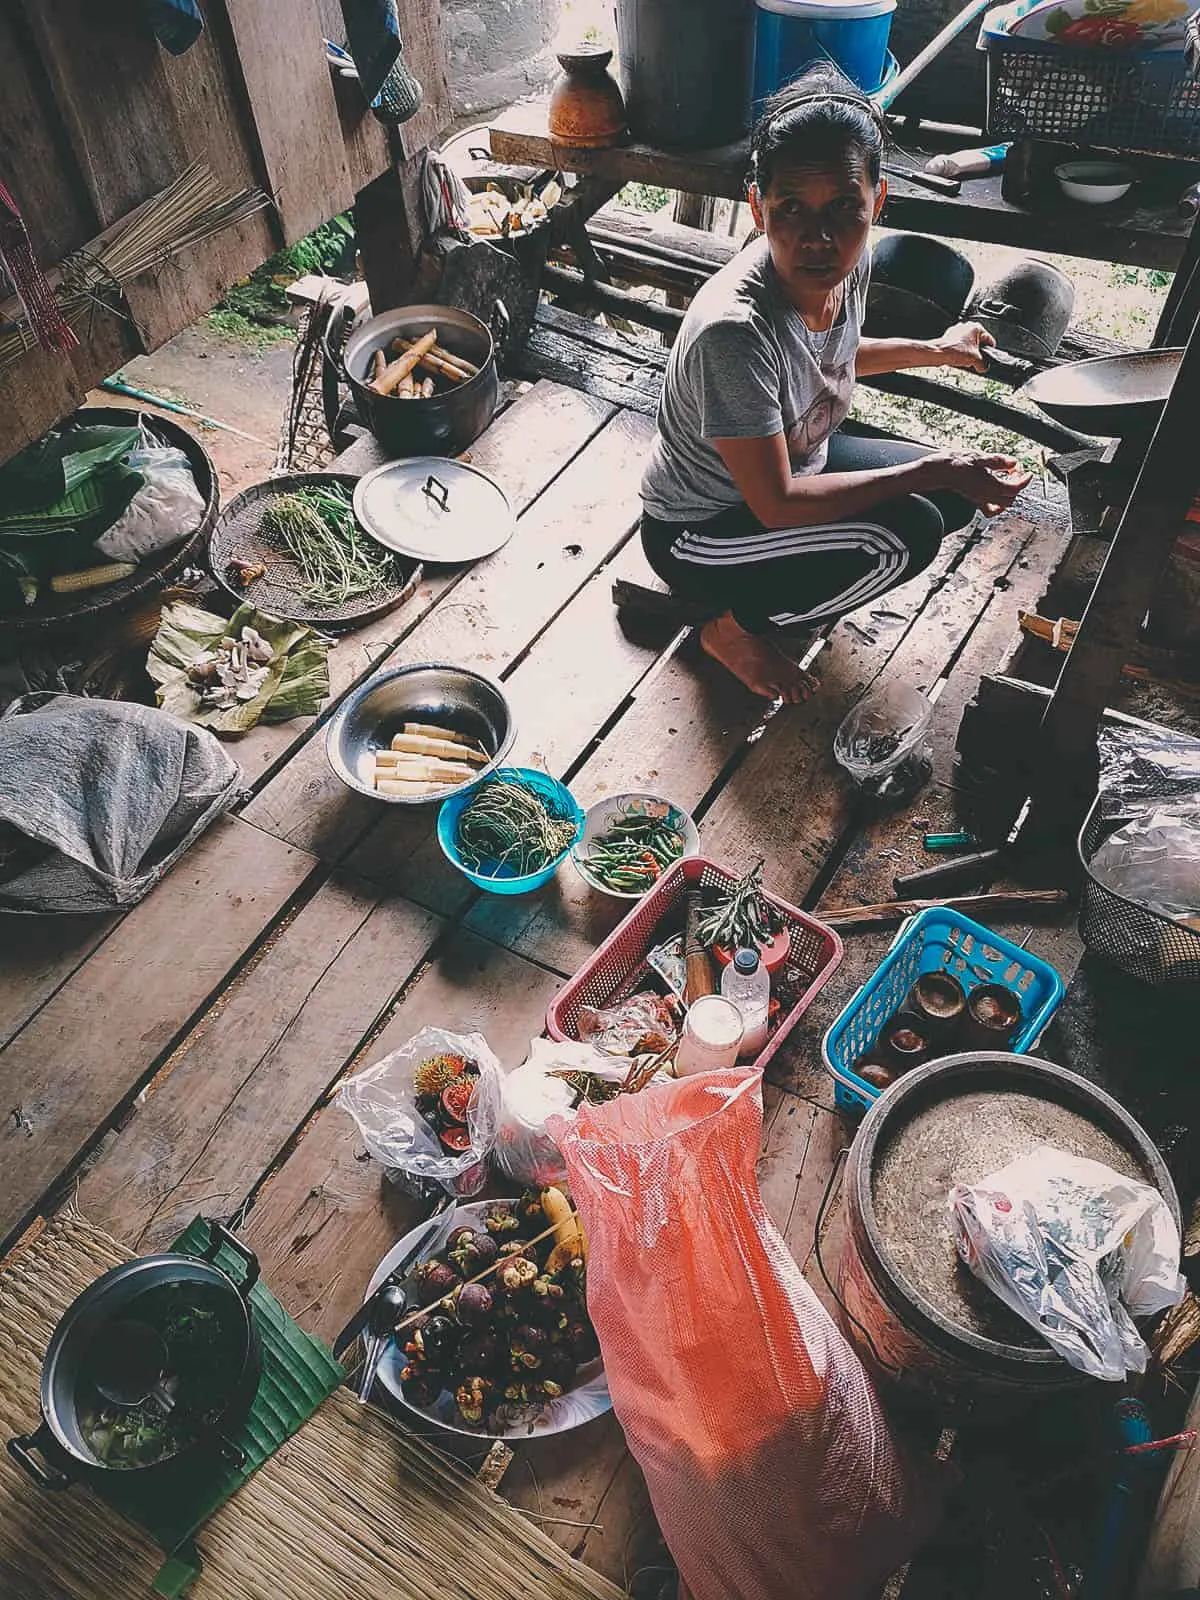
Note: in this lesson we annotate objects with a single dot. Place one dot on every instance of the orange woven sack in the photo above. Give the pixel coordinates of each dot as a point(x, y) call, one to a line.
point(770, 1465)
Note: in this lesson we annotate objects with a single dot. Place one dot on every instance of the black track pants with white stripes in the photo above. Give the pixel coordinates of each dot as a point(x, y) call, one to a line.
point(782, 577)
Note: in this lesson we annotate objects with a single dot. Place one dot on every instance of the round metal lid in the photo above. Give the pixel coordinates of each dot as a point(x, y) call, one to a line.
point(435, 509)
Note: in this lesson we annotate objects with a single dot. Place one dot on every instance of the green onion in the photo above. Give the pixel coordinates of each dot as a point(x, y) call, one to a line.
point(337, 560)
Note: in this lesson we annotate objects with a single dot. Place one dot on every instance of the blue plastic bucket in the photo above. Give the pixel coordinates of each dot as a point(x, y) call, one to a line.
point(790, 35)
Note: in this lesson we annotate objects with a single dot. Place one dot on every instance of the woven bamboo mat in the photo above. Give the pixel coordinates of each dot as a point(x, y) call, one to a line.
point(350, 1506)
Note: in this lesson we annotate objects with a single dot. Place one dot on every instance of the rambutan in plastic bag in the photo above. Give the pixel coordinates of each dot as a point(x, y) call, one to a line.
point(771, 1467)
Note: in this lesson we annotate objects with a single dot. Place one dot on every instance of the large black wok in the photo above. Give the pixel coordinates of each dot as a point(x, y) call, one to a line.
point(1107, 396)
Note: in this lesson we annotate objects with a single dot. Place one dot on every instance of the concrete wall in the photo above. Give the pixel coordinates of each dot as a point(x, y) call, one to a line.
point(498, 50)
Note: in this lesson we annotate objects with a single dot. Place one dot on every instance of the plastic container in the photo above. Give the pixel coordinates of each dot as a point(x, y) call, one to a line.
point(747, 983)
point(619, 965)
point(503, 880)
point(712, 1038)
point(686, 69)
point(789, 35)
point(939, 940)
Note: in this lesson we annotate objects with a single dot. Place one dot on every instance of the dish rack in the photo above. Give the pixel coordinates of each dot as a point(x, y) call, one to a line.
point(1126, 100)
point(937, 940)
point(618, 966)
point(1141, 942)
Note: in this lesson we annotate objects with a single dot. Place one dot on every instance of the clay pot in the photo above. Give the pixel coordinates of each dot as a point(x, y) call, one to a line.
point(586, 108)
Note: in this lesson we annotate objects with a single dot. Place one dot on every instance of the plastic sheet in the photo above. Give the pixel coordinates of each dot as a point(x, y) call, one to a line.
point(883, 743)
point(383, 1102)
point(167, 508)
point(770, 1465)
point(1076, 1250)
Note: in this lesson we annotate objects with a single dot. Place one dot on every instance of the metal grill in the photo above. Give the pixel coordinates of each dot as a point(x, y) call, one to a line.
point(1134, 938)
point(1109, 99)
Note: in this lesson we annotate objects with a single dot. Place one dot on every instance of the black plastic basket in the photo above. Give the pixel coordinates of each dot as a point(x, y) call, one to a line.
point(1124, 100)
point(1134, 938)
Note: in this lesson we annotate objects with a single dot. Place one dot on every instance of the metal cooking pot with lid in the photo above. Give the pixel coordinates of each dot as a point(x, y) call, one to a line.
point(58, 1453)
point(1027, 309)
point(452, 419)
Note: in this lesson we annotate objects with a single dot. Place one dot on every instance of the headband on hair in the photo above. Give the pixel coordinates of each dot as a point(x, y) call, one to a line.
point(816, 96)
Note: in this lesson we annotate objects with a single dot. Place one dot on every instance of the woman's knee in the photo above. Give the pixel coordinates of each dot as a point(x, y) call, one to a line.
point(918, 522)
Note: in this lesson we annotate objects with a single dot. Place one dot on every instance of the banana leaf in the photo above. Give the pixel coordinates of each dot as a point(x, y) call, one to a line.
point(296, 683)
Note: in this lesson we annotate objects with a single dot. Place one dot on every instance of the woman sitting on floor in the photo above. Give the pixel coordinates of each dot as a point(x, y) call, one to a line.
point(754, 504)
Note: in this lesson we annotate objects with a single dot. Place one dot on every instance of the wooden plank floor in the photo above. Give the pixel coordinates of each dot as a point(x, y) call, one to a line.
point(181, 1057)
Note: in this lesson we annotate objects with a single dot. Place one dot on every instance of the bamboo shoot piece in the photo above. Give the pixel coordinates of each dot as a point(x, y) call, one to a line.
point(428, 769)
point(418, 745)
point(409, 788)
point(427, 389)
point(379, 361)
point(441, 357)
point(430, 730)
point(398, 370)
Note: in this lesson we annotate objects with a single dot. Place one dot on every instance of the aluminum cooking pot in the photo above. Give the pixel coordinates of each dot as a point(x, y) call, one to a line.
point(448, 422)
point(57, 1453)
point(918, 287)
point(1027, 309)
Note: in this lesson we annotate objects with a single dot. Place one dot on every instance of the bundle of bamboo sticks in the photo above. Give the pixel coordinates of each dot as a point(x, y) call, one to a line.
point(193, 208)
point(399, 377)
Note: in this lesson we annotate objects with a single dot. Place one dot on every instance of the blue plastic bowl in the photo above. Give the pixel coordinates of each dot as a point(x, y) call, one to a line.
point(559, 801)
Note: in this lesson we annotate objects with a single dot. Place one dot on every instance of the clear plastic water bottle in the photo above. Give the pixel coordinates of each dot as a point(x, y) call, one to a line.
point(747, 983)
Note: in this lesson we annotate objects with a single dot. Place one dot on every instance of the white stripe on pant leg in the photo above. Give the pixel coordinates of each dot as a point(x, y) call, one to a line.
point(875, 584)
point(815, 535)
point(867, 540)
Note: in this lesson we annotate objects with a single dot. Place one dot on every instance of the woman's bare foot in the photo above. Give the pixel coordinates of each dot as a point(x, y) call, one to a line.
point(756, 662)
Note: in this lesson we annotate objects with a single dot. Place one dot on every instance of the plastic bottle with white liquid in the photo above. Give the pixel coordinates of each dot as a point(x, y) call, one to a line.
point(747, 983)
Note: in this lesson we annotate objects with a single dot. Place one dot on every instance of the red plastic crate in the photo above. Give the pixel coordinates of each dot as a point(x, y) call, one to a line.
point(617, 965)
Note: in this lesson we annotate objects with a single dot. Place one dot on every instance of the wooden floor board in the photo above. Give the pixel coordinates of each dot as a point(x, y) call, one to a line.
point(251, 1072)
point(496, 612)
point(39, 955)
point(69, 1070)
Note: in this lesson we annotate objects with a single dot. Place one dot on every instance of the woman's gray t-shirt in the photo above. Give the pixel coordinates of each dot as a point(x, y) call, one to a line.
point(745, 366)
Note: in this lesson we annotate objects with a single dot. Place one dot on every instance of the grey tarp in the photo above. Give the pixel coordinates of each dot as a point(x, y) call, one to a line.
point(116, 792)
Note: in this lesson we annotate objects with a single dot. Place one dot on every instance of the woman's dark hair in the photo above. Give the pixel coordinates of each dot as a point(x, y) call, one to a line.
point(820, 115)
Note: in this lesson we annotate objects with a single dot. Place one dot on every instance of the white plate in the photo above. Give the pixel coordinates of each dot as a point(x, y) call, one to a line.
point(599, 818)
point(588, 1399)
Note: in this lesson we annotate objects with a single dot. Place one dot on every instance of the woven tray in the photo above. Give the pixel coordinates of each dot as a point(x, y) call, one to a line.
point(57, 611)
point(351, 1505)
point(280, 593)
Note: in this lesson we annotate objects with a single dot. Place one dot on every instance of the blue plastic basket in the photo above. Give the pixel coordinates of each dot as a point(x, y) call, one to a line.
point(938, 940)
point(559, 801)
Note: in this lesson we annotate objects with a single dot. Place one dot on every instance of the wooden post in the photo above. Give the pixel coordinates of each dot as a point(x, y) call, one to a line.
point(387, 222)
point(1065, 777)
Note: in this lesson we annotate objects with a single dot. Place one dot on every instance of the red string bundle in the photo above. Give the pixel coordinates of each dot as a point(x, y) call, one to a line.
point(34, 292)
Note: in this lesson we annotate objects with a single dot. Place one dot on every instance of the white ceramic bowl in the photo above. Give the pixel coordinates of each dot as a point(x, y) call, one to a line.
point(1094, 183)
point(599, 818)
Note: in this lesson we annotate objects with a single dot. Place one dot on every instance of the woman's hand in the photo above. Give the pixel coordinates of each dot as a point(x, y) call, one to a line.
point(991, 483)
point(963, 346)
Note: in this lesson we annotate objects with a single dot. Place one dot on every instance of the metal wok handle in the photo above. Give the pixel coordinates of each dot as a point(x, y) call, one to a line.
point(1005, 368)
point(218, 1235)
point(22, 1449)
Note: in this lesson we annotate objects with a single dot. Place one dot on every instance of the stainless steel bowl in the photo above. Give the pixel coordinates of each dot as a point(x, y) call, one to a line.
point(451, 697)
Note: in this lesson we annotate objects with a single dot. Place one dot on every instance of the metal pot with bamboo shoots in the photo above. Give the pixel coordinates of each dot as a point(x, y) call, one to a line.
point(424, 378)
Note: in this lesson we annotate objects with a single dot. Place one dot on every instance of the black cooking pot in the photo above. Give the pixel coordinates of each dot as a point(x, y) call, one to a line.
point(1027, 309)
point(448, 422)
point(918, 287)
point(57, 1453)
